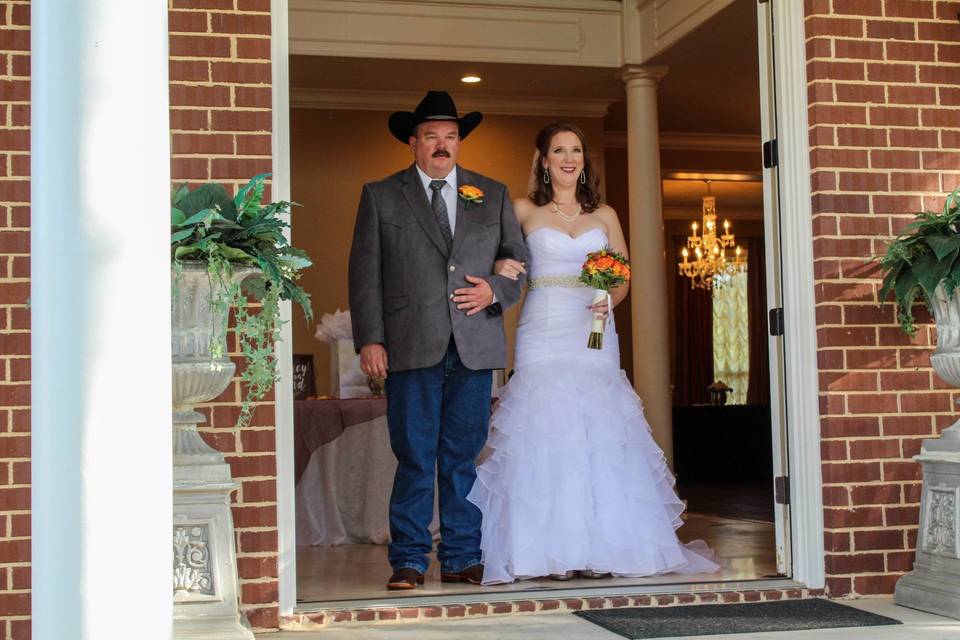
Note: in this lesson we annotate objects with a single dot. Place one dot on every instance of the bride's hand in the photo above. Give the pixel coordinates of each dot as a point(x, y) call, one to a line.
point(508, 268)
point(600, 309)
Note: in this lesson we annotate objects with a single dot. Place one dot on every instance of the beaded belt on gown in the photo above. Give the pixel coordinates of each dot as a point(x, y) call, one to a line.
point(555, 281)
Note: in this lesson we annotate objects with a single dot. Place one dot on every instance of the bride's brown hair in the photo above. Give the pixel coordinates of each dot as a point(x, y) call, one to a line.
point(587, 192)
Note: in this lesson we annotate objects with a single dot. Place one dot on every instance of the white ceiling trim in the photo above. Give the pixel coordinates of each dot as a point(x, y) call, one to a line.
point(488, 104)
point(680, 141)
point(579, 33)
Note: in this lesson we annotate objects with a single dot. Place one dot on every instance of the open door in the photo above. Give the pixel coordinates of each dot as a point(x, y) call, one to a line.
point(773, 240)
point(323, 118)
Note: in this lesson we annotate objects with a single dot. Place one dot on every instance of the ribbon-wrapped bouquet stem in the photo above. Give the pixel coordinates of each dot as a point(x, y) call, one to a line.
point(602, 271)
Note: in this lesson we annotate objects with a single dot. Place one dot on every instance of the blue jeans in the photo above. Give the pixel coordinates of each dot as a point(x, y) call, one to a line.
point(438, 425)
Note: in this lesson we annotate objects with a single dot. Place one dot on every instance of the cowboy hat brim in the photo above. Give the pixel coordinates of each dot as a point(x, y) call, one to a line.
point(402, 124)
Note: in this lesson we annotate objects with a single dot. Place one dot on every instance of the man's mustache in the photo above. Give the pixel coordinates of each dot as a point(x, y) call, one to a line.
point(441, 153)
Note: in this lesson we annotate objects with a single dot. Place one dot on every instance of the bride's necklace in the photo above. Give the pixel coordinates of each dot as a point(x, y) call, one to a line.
point(566, 217)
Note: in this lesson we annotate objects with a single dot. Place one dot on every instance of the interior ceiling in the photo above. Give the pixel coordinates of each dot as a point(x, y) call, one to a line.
point(368, 74)
point(735, 200)
point(711, 87)
point(712, 83)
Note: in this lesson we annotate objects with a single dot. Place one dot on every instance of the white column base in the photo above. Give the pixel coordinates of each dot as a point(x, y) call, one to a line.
point(922, 590)
point(205, 602)
point(934, 583)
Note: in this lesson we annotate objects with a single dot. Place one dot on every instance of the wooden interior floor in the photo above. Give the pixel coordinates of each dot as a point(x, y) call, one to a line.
point(739, 500)
point(745, 548)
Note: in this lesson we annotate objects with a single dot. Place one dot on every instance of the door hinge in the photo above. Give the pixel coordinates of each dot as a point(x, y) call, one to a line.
point(770, 154)
point(781, 490)
point(776, 321)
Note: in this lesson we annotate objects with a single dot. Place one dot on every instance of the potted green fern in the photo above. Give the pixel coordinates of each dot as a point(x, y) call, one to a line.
point(230, 253)
point(921, 263)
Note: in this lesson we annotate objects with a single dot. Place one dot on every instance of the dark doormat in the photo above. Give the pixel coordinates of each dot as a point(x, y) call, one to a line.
point(716, 619)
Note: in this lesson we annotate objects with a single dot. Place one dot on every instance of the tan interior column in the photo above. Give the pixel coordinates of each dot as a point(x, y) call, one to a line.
point(648, 300)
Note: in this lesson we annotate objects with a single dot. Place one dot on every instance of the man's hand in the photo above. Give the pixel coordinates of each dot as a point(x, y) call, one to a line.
point(373, 360)
point(476, 298)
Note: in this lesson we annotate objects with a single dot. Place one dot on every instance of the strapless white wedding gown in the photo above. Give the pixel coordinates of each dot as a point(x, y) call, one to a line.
point(571, 477)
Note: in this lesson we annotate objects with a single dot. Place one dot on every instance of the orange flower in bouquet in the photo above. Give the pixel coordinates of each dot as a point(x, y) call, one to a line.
point(602, 271)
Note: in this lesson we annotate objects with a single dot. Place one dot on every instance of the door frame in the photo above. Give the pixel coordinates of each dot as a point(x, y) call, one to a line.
point(800, 391)
point(773, 243)
point(283, 393)
point(801, 388)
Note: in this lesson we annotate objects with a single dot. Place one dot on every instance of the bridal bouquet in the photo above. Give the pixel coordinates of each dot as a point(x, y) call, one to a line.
point(603, 270)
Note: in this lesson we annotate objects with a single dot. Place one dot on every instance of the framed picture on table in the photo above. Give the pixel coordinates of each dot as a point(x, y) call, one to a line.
point(304, 380)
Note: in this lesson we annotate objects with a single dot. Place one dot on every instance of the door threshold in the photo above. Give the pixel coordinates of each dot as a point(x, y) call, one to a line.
point(674, 590)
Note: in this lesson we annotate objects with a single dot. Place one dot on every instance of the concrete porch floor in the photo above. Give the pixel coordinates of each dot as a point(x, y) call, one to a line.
point(917, 625)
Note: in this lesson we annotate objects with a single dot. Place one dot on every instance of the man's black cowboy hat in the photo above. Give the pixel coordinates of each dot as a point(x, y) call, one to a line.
point(436, 105)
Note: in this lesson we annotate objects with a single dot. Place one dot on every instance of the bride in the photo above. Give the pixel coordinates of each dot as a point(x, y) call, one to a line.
point(572, 480)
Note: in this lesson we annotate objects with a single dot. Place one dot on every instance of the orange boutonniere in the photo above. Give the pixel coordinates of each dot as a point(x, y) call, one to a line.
point(470, 194)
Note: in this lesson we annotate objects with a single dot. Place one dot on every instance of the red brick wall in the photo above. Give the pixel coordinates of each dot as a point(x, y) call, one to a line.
point(220, 121)
point(884, 92)
point(14, 319)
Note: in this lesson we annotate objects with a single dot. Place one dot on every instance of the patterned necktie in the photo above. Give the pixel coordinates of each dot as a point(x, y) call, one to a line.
point(440, 211)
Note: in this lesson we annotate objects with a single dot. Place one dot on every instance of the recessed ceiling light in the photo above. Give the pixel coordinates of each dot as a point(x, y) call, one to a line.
point(471, 79)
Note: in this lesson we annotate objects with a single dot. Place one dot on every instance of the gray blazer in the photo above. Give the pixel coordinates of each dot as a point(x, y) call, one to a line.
point(402, 277)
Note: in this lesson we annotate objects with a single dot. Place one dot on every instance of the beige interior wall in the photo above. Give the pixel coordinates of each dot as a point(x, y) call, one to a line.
point(334, 152)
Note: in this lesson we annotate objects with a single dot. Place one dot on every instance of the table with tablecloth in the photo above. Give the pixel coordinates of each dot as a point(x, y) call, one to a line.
point(344, 471)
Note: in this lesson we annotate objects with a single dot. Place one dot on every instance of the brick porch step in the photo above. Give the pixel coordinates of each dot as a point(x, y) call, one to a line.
point(391, 614)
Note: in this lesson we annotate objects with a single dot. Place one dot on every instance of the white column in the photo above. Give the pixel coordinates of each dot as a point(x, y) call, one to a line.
point(648, 299)
point(100, 162)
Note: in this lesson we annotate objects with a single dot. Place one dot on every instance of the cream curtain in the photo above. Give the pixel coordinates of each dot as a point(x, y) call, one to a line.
point(731, 340)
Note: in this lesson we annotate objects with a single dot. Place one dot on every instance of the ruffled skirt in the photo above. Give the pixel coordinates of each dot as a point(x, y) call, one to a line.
point(572, 479)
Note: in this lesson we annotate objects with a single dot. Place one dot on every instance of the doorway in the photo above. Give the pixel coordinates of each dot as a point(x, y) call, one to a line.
point(315, 112)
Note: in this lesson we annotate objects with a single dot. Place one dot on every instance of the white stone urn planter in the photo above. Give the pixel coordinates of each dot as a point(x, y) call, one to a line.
point(204, 559)
point(934, 583)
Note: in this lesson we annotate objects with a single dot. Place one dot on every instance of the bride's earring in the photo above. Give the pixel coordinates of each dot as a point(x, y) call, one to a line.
point(583, 177)
point(546, 177)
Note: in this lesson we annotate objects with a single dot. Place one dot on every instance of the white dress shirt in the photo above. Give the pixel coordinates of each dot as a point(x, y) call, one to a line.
point(448, 193)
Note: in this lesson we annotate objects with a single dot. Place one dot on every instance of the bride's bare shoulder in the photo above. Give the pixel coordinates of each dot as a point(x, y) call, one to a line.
point(523, 204)
point(523, 207)
point(606, 214)
point(605, 211)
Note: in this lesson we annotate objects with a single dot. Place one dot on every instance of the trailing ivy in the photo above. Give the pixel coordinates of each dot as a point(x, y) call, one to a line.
point(921, 258)
point(226, 232)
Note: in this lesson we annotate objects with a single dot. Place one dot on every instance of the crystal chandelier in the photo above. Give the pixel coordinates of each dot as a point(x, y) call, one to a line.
point(710, 263)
